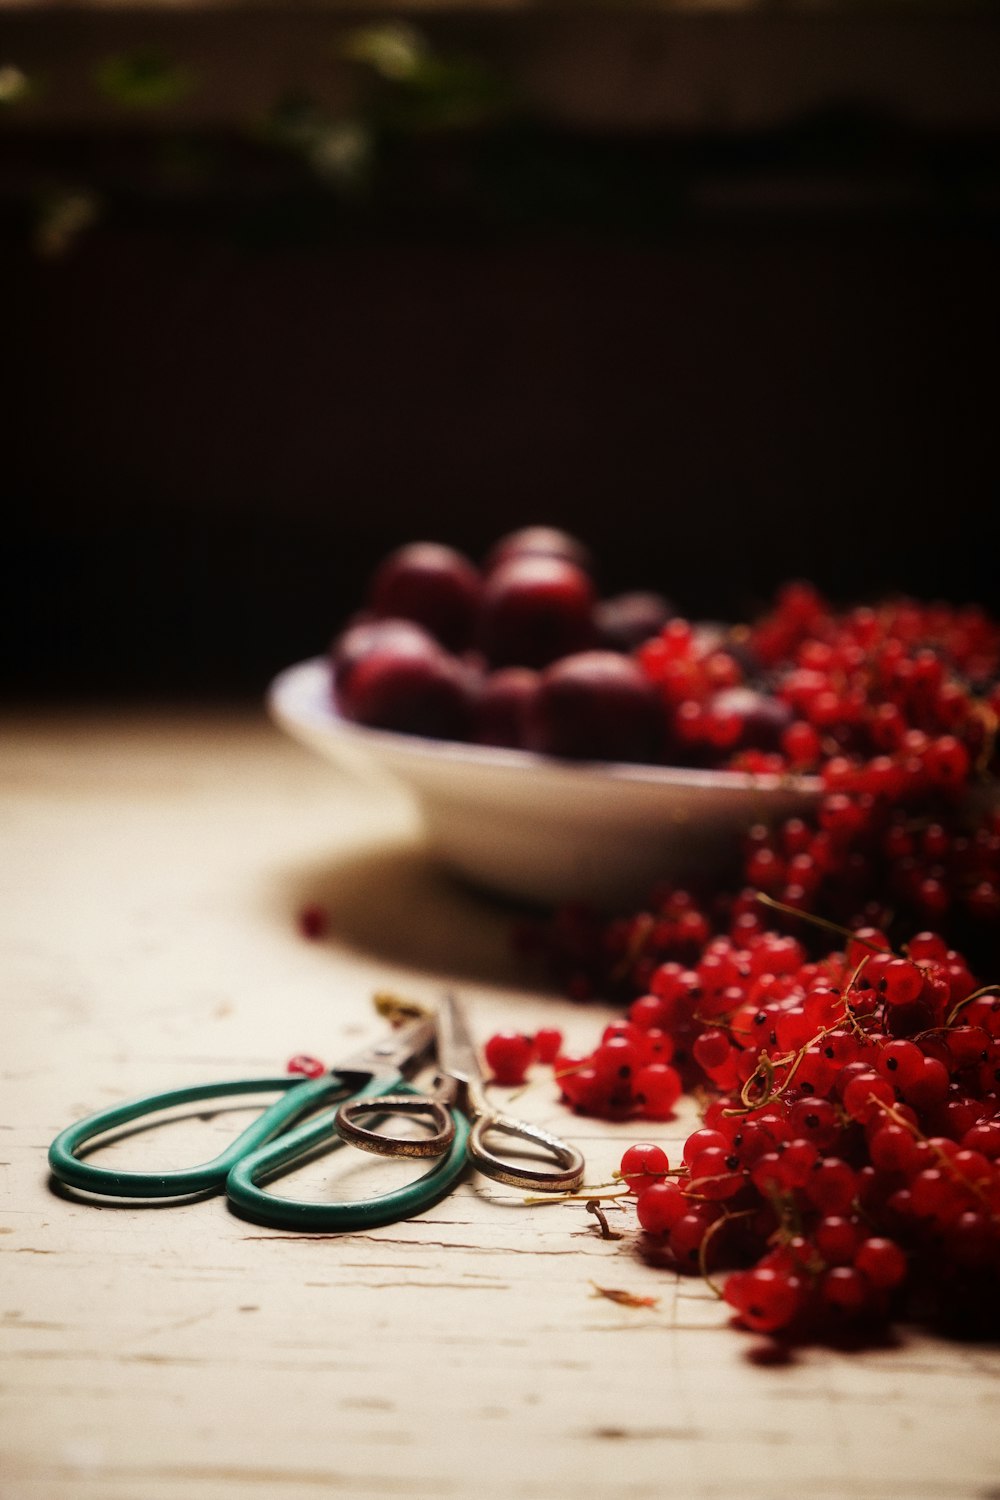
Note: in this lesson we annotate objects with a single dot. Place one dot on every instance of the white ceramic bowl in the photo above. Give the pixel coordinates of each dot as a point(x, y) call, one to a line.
point(538, 829)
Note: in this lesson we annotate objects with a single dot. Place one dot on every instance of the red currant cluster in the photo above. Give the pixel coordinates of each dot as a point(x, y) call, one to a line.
point(701, 684)
point(807, 684)
point(850, 1152)
point(869, 856)
point(865, 860)
point(853, 1145)
point(628, 1074)
point(509, 1054)
point(853, 1138)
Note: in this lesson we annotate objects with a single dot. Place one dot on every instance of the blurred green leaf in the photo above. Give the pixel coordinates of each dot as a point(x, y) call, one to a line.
point(395, 50)
point(342, 153)
point(62, 217)
point(15, 85)
point(143, 80)
point(294, 121)
point(418, 89)
point(448, 93)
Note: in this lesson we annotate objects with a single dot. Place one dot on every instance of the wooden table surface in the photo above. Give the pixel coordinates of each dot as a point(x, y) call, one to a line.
point(153, 866)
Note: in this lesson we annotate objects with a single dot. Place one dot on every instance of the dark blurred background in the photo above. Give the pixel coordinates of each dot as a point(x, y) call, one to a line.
point(715, 288)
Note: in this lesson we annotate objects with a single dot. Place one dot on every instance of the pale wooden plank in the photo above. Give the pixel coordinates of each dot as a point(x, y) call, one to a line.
point(151, 871)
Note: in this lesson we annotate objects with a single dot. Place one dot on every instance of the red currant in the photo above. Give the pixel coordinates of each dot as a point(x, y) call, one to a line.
point(766, 1299)
point(660, 1206)
point(644, 1164)
point(508, 1055)
point(309, 1067)
point(548, 1043)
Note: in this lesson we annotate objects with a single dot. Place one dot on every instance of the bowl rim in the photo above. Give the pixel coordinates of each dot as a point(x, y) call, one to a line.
point(299, 698)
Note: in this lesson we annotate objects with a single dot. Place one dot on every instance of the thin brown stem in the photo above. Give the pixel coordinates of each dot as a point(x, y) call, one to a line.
point(707, 1238)
point(593, 1206)
point(808, 916)
point(942, 1157)
point(987, 989)
point(581, 1197)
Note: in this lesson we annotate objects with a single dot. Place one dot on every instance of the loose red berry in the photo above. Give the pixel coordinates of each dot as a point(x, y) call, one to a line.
point(688, 1236)
point(508, 1054)
point(766, 1299)
point(313, 921)
point(901, 982)
point(844, 1290)
point(865, 1095)
point(309, 1067)
point(715, 1173)
point(837, 1239)
point(657, 1090)
point(832, 1186)
point(660, 1206)
point(700, 1140)
point(644, 1164)
point(881, 1262)
point(548, 1042)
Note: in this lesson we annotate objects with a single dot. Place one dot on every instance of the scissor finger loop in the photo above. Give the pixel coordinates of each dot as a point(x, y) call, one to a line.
point(346, 1123)
point(563, 1176)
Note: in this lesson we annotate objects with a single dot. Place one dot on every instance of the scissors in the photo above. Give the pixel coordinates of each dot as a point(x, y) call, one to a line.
point(458, 1087)
point(274, 1144)
point(273, 1141)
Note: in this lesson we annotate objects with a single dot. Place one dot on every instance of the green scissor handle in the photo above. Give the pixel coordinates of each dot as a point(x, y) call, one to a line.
point(297, 1097)
point(269, 1161)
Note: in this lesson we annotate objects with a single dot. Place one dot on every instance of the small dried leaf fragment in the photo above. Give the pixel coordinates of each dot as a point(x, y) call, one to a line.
point(397, 1008)
point(623, 1298)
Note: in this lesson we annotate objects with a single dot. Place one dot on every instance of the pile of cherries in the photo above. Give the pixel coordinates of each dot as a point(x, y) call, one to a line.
point(522, 652)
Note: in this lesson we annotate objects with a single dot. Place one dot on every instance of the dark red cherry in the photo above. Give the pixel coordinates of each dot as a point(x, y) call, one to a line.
point(365, 637)
point(763, 719)
point(428, 693)
point(433, 585)
point(535, 610)
point(502, 706)
point(539, 541)
point(624, 621)
point(597, 705)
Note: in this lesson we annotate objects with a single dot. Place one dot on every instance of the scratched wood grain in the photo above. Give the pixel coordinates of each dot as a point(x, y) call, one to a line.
point(152, 870)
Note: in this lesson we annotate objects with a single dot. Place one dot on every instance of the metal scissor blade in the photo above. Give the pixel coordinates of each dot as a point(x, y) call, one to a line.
point(456, 1051)
point(561, 1167)
point(401, 1052)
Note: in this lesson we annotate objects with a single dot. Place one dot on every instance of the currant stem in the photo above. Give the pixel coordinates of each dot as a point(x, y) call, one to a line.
point(808, 916)
point(638, 940)
point(941, 1156)
point(707, 1237)
point(670, 1172)
point(580, 1197)
point(990, 724)
point(594, 1207)
point(987, 989)
point(768, 1065)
